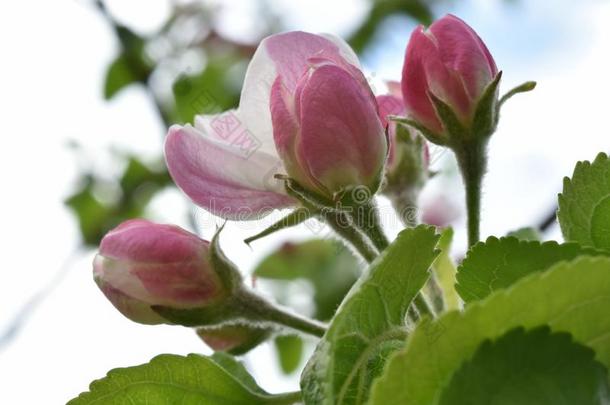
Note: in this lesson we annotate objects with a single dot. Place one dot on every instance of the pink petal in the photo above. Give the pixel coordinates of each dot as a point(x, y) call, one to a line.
point(424, 71)
point(291, 51)
point(221, 178)
point(390, 105)
point(342, 141)
point(415, 82)
point(463, 51)
point(141, 240)
point(131, 308)
point(284, 54)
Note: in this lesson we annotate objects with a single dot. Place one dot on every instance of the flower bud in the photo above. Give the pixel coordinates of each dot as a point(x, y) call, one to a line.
point(327, 129)
point(451, 64)
point(235, 339)
point(408, 158)
point(141, 265)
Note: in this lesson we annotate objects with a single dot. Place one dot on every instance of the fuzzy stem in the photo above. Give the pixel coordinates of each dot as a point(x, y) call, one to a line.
point(472, 160)
point(343, 225)
point(368, 221)
point(256, 308)
point(405, 205)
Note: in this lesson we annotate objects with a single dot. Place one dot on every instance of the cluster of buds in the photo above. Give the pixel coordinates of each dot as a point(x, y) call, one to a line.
point(321, 134)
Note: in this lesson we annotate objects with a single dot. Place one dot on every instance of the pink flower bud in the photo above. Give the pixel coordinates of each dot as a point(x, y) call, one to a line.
point(327, 129)
point(142, 264)
point(451, 62)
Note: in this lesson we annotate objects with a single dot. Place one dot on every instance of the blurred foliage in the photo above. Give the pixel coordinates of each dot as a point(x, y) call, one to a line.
point(131, 66)
point(213, 87)
point(96, 216)
point(290, 352)
point(327, 266)
point(208, 92)
point(419, 10)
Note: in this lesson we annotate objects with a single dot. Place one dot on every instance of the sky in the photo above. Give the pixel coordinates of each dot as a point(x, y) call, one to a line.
point(54, 57)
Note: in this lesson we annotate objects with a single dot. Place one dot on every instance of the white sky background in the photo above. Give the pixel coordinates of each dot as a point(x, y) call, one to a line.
point(53, 58)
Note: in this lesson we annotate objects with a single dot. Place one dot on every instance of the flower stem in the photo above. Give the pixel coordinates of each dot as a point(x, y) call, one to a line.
point(405, 205)
point(256, 308)
point(344, 226)
point(472, 160)
point(367, 220)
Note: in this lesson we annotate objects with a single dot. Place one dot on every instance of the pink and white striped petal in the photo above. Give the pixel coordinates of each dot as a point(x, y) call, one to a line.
point(226, 179)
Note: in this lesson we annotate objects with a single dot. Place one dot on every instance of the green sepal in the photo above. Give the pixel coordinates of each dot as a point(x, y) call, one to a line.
point(296, 217)
point(456, 130)
point(204, 316)
point(223, 267)
point(486, 115)
point(522, 88)
point(311, 201)
point(429, 134)
point(408, 171)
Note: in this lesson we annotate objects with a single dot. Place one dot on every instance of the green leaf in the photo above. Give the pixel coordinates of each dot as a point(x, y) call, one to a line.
point(369, 325)
point(138, 185)
point(290, 352)
point(499, 263)
point(529, 368)
point(118, 76)
point(445, 271)
point(571, 297)
point(584, 204)
point(92, 214)
point(526, 234)
point(169, 379)
point(327, 265)
point(209, 92)
point(237, 369)
point(419, 10)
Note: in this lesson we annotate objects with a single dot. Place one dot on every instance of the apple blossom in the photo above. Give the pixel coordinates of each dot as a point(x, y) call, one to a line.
point(305, 111)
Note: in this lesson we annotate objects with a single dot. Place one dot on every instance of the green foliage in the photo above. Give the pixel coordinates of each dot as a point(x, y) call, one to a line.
point(526, 233)
point(419, 10)
point(584, 204)
point(118, 76)
point(445, 272)
point(209, 92)
point(571, 297)
point(331, 270)
point(499, 263)
point(290, 352)
point(369, 325)
point(529, 368)
point(169, 378)
point(327, 265)
point(131, 66)
point(138, 184)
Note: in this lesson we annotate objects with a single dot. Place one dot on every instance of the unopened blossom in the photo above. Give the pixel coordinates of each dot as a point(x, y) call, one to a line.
point(141, 264)
point(448, 61)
